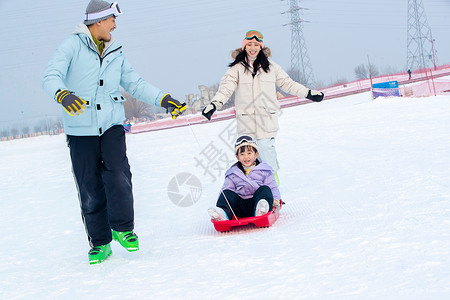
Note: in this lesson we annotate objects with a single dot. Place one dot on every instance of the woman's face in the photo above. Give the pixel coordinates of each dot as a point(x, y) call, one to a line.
point(252, 49)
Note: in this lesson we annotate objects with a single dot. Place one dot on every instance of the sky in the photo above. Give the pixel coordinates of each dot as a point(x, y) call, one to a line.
point(179, 45)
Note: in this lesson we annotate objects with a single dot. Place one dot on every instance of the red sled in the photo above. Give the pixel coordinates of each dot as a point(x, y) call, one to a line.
point(260, 221)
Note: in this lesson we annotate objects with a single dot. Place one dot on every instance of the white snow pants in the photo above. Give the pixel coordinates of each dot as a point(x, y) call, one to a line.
point(267, 152)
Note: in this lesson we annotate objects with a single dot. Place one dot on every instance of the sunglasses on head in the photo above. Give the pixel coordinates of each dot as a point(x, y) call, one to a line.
point(116, 9)
point(112, 10)
point(254, 34)
point(244, 138)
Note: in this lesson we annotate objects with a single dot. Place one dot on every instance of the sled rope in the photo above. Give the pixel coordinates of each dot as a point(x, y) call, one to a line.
point(190, 127)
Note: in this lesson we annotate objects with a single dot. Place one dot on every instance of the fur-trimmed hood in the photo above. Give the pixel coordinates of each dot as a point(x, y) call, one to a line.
point(266, 51)
point(256, 103)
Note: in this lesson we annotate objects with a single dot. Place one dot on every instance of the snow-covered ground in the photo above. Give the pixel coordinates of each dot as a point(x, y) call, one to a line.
point(367, 214)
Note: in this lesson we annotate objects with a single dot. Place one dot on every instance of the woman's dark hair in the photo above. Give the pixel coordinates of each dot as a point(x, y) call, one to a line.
point(260, 61)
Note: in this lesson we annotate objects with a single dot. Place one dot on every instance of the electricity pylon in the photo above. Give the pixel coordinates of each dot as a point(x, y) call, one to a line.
point(300, 63)
point(421, 52)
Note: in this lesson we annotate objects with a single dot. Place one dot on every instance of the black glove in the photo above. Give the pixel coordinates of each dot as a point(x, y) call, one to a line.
point(208, 111)
point(315, 96)
point(73, 104)
point(172, 106)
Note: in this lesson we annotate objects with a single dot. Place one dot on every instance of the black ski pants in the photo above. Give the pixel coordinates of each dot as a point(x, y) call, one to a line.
point(244, 208)
point(103, 178)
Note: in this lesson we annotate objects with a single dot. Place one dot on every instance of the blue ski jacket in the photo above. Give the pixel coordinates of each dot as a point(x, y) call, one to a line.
point(77, 66)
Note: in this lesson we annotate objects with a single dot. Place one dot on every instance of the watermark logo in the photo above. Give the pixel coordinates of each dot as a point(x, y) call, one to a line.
point(213, 160)
point(217, 156)
point(260, 115)
point(184, 189)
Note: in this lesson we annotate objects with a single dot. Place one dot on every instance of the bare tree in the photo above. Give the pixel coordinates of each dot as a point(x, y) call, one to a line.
point(4, 133)
point(391, 70)
point(37, 128)
point(59, 124)
point(43, 124)
point(296, 75)
point(135, 108)
point(320, 84)
point(374, 70)
point(339, 81)
point(363, 72)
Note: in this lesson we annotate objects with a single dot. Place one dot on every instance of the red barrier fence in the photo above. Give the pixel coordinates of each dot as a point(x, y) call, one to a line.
point(428, 86)
point(423, 82)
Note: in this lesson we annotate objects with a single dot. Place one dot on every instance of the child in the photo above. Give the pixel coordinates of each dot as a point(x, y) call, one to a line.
point(250, 187)
point(253, 77)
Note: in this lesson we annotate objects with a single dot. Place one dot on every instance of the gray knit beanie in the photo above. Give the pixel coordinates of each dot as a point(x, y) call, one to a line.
point(96, 6)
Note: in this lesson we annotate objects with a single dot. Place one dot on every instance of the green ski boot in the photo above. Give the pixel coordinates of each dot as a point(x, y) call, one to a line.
point(128, 239)
point(99, 254)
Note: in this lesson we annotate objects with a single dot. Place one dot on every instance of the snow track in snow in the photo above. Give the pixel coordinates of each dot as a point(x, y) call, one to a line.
point(367, 213)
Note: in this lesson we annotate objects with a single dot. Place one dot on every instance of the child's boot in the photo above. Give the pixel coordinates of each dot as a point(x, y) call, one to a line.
point(262, 207)
point(217, 214)
point(128, 239)
point(99, 253)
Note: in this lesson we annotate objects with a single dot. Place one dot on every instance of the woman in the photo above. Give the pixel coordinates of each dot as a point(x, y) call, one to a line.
point(254, 78)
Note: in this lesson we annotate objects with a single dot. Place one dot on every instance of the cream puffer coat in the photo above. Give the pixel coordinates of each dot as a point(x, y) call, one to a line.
point(257, 106)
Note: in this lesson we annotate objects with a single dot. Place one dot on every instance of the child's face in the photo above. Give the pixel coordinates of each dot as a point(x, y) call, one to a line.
point(247, 157)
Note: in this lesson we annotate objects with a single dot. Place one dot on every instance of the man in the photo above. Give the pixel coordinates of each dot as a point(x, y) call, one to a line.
point(84, 75)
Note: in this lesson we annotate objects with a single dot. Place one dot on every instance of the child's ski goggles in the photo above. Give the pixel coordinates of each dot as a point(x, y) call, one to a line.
point(254, 34)
point(112, 10)
point(244, 138)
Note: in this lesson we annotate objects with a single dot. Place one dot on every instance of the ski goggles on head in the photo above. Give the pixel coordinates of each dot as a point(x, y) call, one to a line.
point(254, 34)
point(244, 138)
point(112, 10)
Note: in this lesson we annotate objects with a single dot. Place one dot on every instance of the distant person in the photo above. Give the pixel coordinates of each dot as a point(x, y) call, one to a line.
point(409, 73)
point(254, 78)
point(84, 75)
point(250, 188)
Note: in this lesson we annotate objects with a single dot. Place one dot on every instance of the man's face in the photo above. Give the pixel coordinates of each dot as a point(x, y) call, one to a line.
point(105, 28)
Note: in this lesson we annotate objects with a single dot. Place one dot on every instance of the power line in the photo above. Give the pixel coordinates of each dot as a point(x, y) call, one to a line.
point(300, 62)
point(421, 52)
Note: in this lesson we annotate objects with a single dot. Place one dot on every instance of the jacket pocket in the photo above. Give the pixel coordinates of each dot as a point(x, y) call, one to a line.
point(117, 97)
point(117, 111)
point(246, 124)
point(84, 119)
point(269, 120)
point(267, 77)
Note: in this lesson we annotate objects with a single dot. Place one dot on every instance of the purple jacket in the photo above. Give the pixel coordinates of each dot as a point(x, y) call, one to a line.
point(246, 186)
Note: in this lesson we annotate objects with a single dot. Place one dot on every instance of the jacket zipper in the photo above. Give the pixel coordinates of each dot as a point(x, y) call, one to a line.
point(101, 58)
